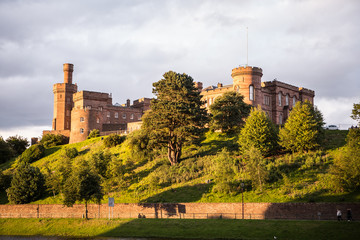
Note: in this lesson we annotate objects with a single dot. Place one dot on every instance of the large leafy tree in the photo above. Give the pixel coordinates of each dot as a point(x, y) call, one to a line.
point(82, 185)
point(5, 151)
point(228, 112)
point(259, 132)
point(303, 129)
point(27, 184)
point(176, 114)
point(355, 114)
point(18, 144)
point(255, 167)
point(346, 168)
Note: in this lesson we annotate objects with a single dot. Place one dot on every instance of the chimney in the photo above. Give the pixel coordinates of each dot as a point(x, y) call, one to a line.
point(68, 70)
point(128, 102)
point(219, 85)
point(199, 86)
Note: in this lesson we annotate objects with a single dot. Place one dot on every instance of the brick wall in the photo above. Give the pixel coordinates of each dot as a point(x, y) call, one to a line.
point(310, 211)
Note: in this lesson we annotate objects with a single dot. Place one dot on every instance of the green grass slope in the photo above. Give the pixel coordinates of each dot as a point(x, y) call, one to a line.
point(136, 177)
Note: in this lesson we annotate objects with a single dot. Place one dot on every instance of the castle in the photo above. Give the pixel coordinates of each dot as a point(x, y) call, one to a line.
point(77, 113)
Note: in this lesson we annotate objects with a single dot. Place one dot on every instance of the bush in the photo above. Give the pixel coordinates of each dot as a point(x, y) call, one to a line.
point(71, 152)
point(51, 140)
point(94, 134)
point(27, 185)
point(113, 140)
point(33, 153)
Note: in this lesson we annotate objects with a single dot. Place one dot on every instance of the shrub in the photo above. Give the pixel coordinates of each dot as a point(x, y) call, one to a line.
point(113, 140)
point(51, 140)
point(71, 152)
point(94, 134)
point(33, 153)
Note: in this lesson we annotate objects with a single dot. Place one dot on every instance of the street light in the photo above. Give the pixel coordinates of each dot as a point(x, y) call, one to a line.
point(242, 199)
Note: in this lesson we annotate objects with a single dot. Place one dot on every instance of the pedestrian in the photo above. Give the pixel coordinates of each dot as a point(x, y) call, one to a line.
point(349, 215)
point(338, 214)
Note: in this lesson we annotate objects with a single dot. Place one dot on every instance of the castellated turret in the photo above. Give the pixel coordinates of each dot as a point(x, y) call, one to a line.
point(247, 81)
point(63, 101)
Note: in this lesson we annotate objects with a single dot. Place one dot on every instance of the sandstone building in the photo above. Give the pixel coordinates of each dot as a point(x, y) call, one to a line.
point(77, 113)
point(275, 98)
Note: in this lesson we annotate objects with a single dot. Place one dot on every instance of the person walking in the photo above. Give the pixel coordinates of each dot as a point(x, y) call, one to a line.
point(338, 214)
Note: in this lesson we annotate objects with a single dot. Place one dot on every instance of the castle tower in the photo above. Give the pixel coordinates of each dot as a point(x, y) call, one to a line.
point(247, 81)
point(63, 100)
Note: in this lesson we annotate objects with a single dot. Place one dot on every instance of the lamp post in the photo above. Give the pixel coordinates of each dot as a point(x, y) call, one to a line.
point(242, 199)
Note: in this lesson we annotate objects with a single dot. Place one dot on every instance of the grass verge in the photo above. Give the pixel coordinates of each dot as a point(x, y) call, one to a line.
point(182, 228)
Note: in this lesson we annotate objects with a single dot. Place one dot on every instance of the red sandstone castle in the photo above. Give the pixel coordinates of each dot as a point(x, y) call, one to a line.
point(77, 113)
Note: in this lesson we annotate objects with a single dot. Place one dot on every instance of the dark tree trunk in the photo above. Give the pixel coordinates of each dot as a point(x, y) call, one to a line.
point(86, 211)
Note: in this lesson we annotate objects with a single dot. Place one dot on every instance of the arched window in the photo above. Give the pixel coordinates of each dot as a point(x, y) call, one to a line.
point(132, 116)
point(116, 115)
point(294, 101)
point(251, 92)
point(81, 130)
point(97, 120)
point(280, 118)
point(279, 97)
point(82, 119)
point(237, 88)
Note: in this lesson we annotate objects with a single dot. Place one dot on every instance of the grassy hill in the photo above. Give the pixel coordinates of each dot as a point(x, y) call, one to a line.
point(141, 177)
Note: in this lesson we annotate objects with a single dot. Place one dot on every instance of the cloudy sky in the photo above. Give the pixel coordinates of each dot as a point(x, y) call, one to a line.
point(122, 47)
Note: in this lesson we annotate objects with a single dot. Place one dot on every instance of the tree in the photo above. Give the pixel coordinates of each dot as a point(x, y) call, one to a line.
point(346, 168)
point(355, 114)
point(83, 185)
point(228, 112)
point(27, 184)
point(303, 129)
point(113, 140)
point(18, 144)
point(258, 132)
point(176, 115)
point(255, 167)
point(5, 151)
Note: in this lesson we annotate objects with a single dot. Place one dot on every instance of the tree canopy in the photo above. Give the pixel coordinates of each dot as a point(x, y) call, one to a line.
point(303, 129)
point(82, 185)
point(27, 184)
point(176, 114)
point(18, 144)
point(355, 114)
point(259, 132)
point(228, 112)
point(5, 151)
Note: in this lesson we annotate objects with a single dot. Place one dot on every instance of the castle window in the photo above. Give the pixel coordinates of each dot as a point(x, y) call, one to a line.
point(68, 113)
point(132, 116)
point(88, 107)
point(60, 96)
point(139, 117)
point(97, 120)
point(251, 92)
point(294, 101)
point(124, 115)
point(280, 118)
point(116, 115)
point(81, 130)
point(100, 108)
point(209, 102)
point(287, 100)
point(82, 119)
point(108, 114)
point(279, 96)
point(267, 100)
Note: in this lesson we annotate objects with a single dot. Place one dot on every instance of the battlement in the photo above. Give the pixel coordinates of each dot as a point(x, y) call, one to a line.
point(89, 95)
point(276, 83)
point(248, 70)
